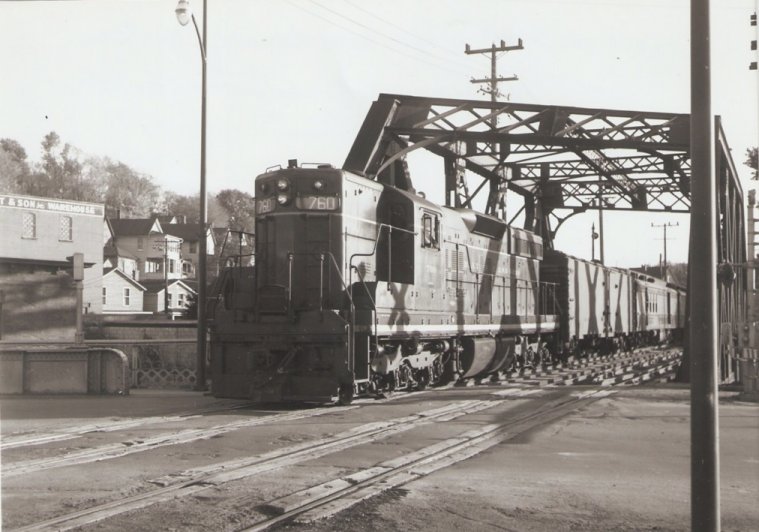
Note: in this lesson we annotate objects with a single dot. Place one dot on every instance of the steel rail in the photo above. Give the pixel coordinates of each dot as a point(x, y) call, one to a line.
point(117, 450)
point(404, 472)
point(187, 483)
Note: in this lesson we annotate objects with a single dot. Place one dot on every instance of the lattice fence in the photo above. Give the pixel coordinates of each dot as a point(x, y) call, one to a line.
point(163, 378)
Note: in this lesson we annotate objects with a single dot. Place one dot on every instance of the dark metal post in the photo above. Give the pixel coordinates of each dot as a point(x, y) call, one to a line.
point(200, 383)
point(702, 289)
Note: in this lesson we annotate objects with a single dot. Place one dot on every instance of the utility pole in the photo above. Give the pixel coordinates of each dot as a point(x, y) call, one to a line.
point(664, 226)
point(494, 80)
point(593, 237)
point(703, 333)
point(601, 224)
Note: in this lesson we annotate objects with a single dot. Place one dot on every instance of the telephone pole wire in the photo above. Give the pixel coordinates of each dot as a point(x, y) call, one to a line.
point(494, 79)
point(668, 224)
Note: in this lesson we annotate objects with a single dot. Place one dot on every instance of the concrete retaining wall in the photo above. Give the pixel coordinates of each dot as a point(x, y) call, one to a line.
point(167, 363)
point(64, 371)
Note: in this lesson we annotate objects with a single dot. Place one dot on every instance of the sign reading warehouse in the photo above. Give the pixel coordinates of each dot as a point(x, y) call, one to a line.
point(21, 202)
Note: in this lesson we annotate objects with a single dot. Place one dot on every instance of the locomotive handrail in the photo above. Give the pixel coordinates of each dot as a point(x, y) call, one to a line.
point(369, 295)
point(373, 252)
point(374, 249)
point(319, 254)
point(351, 310)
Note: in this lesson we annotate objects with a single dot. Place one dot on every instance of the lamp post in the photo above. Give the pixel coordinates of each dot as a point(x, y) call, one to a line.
point(184, 15)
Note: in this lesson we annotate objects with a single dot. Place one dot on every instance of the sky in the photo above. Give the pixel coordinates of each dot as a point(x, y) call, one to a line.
point(294, 79)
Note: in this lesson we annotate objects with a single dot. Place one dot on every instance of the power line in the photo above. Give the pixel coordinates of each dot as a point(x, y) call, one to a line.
point(494, 79)
point(376, 31)
point(367, 38)
point(395, 26)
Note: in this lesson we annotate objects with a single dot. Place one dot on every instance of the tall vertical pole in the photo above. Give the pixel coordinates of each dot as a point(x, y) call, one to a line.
point(703, 331)
point(600, 225)
point(202, 260)
point(593, 242)
point(494, 80)
point(664, 226)
point(664, 273)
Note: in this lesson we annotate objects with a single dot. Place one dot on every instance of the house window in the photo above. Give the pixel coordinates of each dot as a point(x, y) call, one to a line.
point(127, 294)
point(171, 266)
point(170, 304)
point(186, 268)
point(105, 294)
point(140, 243)
point(193, 247)
point(180, 299)
point(29, 225)
point(65, 228)
point(152, 266)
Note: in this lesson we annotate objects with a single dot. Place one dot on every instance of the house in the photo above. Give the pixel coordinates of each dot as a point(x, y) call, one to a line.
point(121, 293)
point(157, 254)
point(115, 257)
point(39, 237)
point(190, 236)
point(179, 294)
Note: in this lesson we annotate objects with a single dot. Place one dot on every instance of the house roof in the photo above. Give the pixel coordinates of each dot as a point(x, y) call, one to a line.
point(187, 232)
point(167, 218)
point(109, 250)
point(135, 226)
point(118, 272)
point(157, 286)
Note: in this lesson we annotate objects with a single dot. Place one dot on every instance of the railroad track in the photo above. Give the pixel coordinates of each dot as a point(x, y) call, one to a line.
point(330, 497)
point(641, 364)
point(192, 481)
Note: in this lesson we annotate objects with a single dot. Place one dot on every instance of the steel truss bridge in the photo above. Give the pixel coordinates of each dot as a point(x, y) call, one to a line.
point(561, 161)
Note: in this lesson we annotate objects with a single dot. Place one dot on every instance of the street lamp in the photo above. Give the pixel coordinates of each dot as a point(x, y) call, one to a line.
point(184, 15)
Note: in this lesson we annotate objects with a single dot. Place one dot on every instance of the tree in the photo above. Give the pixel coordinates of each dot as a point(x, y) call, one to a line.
point(241, 208)
point(189, 207)
point(128, 191)
point(752, 161)
point(63, 169)
point(14, 168)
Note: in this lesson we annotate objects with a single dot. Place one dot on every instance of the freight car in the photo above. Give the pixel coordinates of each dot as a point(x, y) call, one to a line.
point(605, 309)
point(360, 286)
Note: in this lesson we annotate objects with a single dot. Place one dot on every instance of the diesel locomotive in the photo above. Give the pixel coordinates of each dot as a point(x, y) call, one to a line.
point(360, 286)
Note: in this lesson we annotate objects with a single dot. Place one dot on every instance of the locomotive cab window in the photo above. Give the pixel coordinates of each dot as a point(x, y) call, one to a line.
point(430, 231)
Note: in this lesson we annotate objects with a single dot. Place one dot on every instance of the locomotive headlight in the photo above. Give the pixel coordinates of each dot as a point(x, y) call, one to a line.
point(318, 184)
point(282, 199)
point(283, 185)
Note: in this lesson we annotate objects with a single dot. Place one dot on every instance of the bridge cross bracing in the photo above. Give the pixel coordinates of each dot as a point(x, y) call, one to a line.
point(562, 161)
